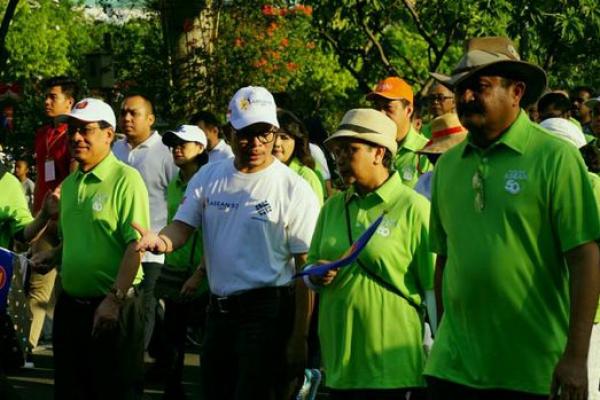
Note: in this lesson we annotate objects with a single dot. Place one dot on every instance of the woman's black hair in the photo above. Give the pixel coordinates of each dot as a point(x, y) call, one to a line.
point(291, 125)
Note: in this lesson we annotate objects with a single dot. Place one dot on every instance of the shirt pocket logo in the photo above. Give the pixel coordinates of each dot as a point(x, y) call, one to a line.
point(98, 202)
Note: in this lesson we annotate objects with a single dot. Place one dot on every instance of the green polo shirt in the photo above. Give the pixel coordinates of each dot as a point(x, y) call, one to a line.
point(506, 285)
point(309, 176)
point(370, 337)
point(595, 179)
point(426, 130)
point(182, 257)
point(14, 211)
point(408, 163)
point(96, 212)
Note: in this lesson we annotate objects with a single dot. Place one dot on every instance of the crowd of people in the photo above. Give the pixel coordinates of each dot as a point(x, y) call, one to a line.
point(481, 280)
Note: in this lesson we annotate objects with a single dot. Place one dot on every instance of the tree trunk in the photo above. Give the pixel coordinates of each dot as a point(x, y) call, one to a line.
point(190, 32)
point(8, 15)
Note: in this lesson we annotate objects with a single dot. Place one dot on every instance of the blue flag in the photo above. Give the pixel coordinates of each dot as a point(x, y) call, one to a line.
point(348, 257)
point(6, 271)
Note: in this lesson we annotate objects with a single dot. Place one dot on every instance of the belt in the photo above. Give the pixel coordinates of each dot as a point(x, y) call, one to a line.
point(236, 302)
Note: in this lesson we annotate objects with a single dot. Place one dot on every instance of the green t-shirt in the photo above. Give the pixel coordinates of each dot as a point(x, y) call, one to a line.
point(408, 163)
point(370, 337)
point(595, 179)
point(96, 212)
point(309, 176)
point(182, 257)
point(505, 287)
point(14, 211)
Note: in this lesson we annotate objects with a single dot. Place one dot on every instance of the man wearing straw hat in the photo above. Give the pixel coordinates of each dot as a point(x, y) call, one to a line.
point(517, 273)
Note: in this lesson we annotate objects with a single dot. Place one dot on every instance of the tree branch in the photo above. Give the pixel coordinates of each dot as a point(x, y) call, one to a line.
point(419, 25)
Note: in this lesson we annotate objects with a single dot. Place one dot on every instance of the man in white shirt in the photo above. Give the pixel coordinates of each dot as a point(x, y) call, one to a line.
point(217, 147)
point(257, 217)
point(144, 150)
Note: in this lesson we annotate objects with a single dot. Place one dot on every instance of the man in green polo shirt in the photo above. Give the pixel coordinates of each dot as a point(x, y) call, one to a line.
point(98, 325)
point(517, 273)
point(394, 97)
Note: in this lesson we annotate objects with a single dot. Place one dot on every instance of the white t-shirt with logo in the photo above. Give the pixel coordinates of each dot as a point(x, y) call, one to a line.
point(252, 224)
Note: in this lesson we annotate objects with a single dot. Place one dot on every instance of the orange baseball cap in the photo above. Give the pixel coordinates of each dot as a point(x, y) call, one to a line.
point(393, 88)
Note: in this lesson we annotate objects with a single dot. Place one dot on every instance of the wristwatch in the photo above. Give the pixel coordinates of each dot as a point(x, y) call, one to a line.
point(119, 294)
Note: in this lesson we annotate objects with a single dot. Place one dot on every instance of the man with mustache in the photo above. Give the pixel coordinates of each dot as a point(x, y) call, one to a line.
point(514, 223)
point(98, 326)
point(257, 218)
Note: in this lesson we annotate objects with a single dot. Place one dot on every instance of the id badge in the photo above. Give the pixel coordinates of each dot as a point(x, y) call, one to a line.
point(49, 172)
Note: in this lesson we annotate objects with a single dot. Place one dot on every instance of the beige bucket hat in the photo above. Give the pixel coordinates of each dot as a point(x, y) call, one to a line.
point(499, 53)
point(369, 125)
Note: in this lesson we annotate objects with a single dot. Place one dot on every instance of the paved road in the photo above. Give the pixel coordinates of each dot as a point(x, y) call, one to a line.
point(37, 383)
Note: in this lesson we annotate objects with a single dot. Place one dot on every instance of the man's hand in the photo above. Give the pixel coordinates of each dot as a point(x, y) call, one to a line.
point(106, 316)
point(569, 381)
point(149, 241)
point(44, 261)
point(51, 204)
point(190, 287)
point(326, 279)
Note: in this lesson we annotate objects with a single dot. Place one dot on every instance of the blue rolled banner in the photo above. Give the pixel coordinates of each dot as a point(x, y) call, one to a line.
point(6, 271)
point(349, 255)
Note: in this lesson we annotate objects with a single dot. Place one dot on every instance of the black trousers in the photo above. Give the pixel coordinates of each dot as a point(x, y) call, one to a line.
point(440, 389)
point(243, 355)
point(108, 366)
point(175, 325)
point(378, 394)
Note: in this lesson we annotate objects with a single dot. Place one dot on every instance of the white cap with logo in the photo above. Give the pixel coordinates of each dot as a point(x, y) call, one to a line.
point(187, 133)
point(251, 105)
point(93, 110)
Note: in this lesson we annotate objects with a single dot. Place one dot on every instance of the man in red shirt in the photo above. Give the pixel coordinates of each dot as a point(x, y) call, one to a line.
point(53, 163)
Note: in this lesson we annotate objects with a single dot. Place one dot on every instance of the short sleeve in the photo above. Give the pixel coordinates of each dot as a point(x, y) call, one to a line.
point(190, 209)
point(302, 217)
point(133, 207)
point(17, 213)
point(573, 201)
point(437, 234)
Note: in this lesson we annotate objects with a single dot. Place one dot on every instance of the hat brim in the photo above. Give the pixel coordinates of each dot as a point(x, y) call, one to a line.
point(534, 77)
point(374, 138)
point(374, 95)
point(169, 138)
point(65, 118)
point(447, 142)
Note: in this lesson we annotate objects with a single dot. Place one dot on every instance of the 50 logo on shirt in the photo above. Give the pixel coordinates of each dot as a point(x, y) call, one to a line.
point(98, 201)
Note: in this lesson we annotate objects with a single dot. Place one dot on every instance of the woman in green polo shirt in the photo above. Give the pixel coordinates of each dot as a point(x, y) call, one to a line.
point(188, 144)
point(370, 313)
point(291, 148)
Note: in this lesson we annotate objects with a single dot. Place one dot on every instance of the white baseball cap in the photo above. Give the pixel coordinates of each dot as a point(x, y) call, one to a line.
point(251, 105)
point(566, 130)
point(92, 110)
point(187, 133)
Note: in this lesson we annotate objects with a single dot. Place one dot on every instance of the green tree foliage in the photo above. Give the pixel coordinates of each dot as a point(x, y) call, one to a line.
point(409, 38)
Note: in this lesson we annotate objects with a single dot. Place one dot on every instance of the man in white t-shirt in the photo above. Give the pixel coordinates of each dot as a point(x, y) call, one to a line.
point(144, 150)
point(217, 147)
point(257, 217)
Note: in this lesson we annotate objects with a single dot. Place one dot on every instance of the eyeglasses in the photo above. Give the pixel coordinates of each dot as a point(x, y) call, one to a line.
point(245, 136)
point(477, 182)
point(437, 98)
point(83, 130)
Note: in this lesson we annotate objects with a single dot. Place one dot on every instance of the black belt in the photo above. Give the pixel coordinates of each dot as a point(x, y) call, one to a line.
point(236, 302)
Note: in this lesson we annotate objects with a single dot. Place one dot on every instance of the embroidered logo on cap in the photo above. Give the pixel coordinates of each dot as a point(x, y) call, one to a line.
point(81, 105)
point(244, 104)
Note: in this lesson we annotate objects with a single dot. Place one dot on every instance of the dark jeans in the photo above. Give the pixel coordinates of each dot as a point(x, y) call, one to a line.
point(176, 318)
point(243, 355)
point(150, 304)
point(378, 394)
point(108, 366)
point(440, 389)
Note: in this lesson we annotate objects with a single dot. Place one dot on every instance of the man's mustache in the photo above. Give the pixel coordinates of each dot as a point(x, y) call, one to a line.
point(469, 108)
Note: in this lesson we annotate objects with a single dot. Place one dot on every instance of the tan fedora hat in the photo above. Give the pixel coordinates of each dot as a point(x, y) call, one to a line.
point(369, 125)
point(500, 53)
point(446, 132)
